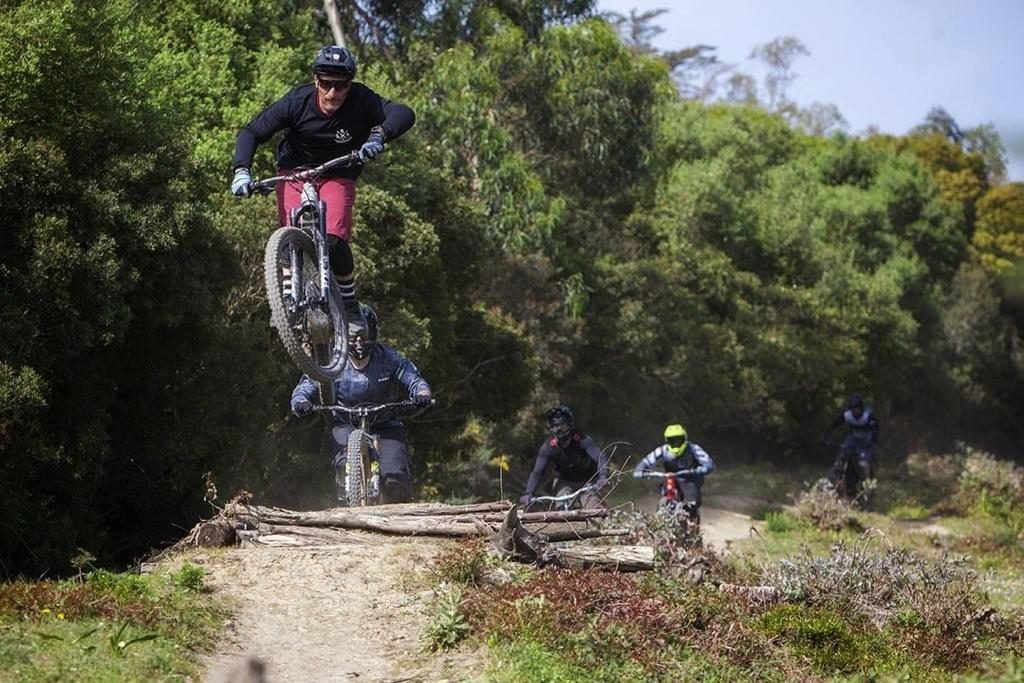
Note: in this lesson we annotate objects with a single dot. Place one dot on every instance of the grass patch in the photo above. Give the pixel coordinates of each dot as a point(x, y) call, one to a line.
point(779, 522)
point(106, 627)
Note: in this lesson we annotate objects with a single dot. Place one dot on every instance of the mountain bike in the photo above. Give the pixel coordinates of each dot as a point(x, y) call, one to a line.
point(305, 302)
point(360, 484)
point(845, 476)
point(564, 502)
point(671, 495)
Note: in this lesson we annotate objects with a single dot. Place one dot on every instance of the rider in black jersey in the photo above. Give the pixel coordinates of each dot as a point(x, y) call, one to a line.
point(321, 120)
point(576, 458)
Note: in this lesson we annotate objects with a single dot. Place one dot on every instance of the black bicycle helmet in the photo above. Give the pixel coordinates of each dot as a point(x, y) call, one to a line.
point(335, 60)
point(856, 401)
point(361, 345)
point(560, 421)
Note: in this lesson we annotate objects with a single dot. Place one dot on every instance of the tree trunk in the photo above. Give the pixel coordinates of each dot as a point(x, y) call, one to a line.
point(334, 19)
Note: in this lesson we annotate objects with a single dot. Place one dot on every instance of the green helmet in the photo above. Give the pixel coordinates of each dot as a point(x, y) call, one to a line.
point(675, 438)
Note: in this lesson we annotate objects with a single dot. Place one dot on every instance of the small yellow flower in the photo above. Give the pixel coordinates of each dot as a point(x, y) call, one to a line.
point(60, 615)
point(501, 462)
point(45, 610)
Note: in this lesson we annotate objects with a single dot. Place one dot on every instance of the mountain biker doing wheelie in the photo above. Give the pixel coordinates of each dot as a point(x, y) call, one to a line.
point(576, 458)
point(859, 442)
point(679, 454)
point(327, 118)
point(375, 373)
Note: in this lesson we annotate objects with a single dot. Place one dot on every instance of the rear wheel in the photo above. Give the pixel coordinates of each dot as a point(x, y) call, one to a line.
point(357, 467)
point(312, 332)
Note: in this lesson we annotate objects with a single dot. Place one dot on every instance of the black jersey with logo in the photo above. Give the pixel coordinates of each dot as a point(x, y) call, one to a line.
point(312, 137)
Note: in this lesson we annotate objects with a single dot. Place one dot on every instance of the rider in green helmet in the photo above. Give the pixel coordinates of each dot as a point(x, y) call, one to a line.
point(679, 454)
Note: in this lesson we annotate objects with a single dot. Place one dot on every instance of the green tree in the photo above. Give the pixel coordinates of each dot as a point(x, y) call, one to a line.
point(998, 240)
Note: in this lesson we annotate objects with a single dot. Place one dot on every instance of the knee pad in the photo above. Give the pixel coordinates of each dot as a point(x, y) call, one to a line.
point(340, 254)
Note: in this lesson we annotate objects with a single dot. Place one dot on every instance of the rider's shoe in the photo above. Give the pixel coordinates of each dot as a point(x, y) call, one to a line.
point(354, 318)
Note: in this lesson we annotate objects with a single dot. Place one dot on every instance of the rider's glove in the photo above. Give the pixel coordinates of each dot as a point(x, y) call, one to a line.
point(302, 406)
point(241, 184)
point(700, 469)
point(423, 399)
point(525, 498)
point(374, 144)
point(639, 474)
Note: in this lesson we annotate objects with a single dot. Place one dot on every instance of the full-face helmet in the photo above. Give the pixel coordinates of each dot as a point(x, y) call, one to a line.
point(675, 438)
point(560, 421)
point(360, 345)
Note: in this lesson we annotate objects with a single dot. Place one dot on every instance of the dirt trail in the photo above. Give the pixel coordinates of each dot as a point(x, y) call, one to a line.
point(352, 610)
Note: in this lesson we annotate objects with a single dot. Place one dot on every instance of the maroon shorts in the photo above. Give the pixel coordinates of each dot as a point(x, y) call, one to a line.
point(339, 194)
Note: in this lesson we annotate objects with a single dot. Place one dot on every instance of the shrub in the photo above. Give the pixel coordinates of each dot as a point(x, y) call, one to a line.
point(446, 627)
point(992, 488)
point(824, 509)
point(463, 563)
point(778, 522)
point(189, 577)
point(935, 609)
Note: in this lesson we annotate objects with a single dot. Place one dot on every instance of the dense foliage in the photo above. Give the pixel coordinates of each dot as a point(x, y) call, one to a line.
point(560, 225)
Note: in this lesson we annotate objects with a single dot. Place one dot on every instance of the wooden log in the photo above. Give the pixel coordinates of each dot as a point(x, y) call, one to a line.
point(514, 542)
point(339, 518)
point(432, 509)
point(620, 558)
point(764, 595)
point(214, 534)
point(581, 534)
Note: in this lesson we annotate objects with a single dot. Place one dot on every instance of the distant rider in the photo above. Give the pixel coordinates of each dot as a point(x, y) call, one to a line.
point(678, 453)
point(576, 459)
point(375, 373)
point(327, 118)
point(859, 442)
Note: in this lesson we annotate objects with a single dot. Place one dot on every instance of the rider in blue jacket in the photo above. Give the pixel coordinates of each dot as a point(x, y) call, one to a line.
point(859, 442)
point(375, 373)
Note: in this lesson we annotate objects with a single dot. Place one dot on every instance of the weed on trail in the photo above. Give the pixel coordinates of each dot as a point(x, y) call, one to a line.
point(105, 626)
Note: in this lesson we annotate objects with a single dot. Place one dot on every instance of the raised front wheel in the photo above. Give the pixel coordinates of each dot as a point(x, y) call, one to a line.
point(312, 331)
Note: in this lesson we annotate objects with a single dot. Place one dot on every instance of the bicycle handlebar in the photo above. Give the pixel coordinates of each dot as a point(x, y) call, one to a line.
point(563, 498)
point(266, 185)
point(666, 475)
point(368, 410)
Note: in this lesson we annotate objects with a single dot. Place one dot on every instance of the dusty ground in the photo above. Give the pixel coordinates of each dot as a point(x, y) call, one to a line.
point(352, 609)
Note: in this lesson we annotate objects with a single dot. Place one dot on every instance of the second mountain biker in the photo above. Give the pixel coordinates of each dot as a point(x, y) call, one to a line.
point(327, 118)
point(376, 373)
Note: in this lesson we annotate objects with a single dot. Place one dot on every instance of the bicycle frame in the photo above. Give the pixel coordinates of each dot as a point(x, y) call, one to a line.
point(310, 216)
point(305, 303)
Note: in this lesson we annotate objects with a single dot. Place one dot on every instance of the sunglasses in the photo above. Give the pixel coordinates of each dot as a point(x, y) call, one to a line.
point(328, 85)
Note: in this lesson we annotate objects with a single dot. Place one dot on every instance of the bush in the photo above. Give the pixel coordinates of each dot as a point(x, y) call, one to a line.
point(189, 577)
point(935, 609)
point(778, 522)
point(824, 509)
point(464, 563)
point(992, 488)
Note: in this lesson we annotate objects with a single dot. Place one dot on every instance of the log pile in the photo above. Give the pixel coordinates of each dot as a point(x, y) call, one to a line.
point(521, 536)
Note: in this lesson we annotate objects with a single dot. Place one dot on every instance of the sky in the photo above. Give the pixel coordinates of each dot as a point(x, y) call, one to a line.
point(883, 63)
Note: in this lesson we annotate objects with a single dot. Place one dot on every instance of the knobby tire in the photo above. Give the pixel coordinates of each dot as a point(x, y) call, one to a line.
point(322, 361)
point(357, 467)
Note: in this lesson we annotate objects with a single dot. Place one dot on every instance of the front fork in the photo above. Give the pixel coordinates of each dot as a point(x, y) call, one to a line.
point(311, 210)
